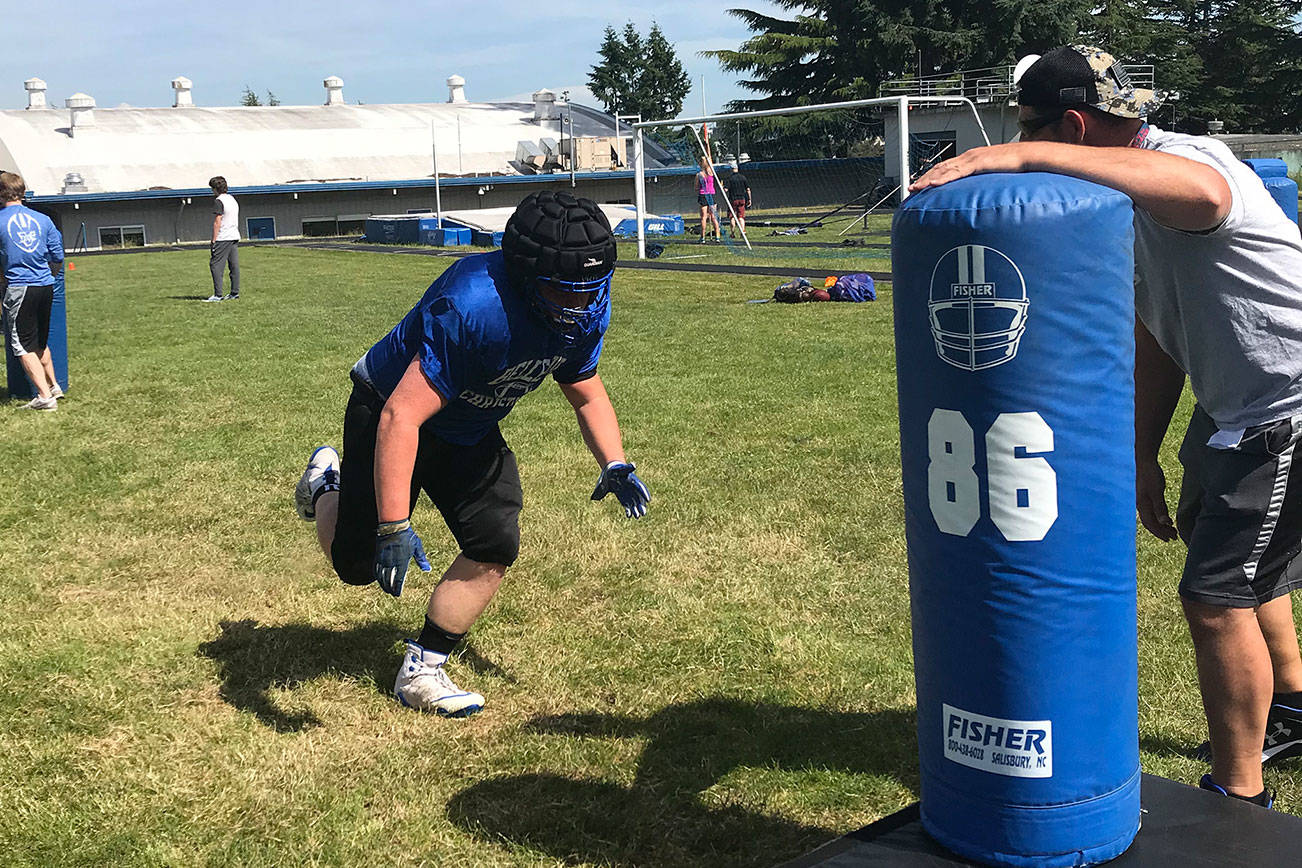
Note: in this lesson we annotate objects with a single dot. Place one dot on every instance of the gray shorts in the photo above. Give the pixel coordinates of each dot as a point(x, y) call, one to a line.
point(1240, 513)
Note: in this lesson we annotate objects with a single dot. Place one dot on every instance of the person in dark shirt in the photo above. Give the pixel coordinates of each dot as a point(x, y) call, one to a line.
point(738, 188)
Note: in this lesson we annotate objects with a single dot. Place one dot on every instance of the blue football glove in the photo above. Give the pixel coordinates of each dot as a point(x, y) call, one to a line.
point(618, 478)
point(396, 543)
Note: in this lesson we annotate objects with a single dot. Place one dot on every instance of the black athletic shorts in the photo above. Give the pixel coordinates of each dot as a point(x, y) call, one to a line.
point(1240, 513)
point(476, 488)
point(27, 318)
point(705, 200)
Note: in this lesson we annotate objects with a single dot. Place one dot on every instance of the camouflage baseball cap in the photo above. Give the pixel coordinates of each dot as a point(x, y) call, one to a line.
point(1076, 75)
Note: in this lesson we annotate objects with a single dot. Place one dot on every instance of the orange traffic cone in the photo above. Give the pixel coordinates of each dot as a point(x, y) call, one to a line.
point(72, 266)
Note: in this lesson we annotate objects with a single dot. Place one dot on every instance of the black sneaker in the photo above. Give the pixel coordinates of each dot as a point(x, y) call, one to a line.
point(1283, 736)
point(1264, 799)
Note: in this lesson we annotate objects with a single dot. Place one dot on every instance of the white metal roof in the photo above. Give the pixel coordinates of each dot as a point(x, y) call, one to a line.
point(131, 149)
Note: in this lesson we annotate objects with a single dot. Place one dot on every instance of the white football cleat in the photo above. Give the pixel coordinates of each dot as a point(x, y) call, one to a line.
point(423, 684)
point(322, 473)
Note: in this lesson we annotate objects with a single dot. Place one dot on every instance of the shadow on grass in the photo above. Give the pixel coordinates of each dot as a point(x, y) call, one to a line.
point(661, 819)
point(187, 298)
point(254, 659)
point(1165, 744)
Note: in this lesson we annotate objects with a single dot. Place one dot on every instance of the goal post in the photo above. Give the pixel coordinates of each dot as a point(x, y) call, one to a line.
point(896, 156)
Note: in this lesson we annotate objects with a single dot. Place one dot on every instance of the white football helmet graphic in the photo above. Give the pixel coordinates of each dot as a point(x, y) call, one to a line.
point(25, 231)
point(977, 307)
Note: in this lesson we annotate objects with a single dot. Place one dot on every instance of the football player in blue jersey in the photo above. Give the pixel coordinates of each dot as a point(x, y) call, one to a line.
point(424, 414)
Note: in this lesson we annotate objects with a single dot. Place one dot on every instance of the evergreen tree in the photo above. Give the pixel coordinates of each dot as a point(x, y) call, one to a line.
point(1237, 61)
point(613, 80)
point(637, 75)
point(249, 98)
point(664, 82)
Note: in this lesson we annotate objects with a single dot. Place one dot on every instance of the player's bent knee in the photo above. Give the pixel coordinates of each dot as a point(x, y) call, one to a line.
point(354, 572)
point(502, 550)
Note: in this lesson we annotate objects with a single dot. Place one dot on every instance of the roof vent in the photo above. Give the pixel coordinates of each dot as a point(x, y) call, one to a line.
point(73, 182)
point(181, 92)
point(456, 88)
point(334, 86)
point(544, 106)
point(82, 107)
point(35, 93)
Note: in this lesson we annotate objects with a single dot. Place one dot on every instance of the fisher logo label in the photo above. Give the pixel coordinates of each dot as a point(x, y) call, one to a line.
point(1015, 748)
point(25, 232)
point(977, 307)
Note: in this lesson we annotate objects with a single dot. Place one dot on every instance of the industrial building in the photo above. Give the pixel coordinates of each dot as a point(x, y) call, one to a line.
point(113, 177)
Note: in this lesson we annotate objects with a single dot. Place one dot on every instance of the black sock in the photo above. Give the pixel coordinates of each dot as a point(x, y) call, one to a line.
point(435, 638)
point(1262, 798)
point(1292, 700)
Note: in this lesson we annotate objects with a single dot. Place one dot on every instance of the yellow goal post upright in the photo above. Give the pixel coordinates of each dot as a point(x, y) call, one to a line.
point(898, 159)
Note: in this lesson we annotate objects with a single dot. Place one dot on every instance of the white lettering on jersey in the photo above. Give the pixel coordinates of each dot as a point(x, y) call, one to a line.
point(513, 384)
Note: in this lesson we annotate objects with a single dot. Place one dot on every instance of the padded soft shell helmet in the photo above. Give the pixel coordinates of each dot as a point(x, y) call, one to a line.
point(562, 243)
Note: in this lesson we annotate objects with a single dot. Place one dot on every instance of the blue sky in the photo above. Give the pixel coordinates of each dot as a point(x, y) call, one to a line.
point(130, 50)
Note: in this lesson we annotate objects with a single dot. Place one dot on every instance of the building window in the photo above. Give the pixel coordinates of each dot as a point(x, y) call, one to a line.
point(320, 227)
point(352, 224)
point(113, 237)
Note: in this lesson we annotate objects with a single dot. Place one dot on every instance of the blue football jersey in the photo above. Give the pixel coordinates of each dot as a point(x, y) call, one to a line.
point(480, 345)
point(28, 244)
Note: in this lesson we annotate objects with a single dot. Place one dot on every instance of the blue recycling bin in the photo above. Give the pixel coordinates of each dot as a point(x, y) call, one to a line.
point(19, 386)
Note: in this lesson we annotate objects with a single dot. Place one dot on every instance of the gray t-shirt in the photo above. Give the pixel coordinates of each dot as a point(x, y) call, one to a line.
point(1226, 304)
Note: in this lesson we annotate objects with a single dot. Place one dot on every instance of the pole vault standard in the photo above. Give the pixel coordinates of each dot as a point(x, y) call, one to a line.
point(709, 158)
point(901, 104)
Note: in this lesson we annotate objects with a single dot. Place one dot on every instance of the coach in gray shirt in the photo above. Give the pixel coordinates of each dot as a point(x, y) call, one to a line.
point(225, 240)
point(1218, 293)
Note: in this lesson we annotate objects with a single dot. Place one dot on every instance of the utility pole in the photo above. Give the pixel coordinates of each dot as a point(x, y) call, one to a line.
point(569, 122)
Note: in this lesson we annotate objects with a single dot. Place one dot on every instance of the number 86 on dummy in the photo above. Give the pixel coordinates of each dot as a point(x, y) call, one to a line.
point(1023, 487)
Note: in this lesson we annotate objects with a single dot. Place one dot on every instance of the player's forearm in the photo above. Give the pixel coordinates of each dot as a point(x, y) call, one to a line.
point(395, 459)
point(597, 421)
point(1177, 192)
point(1158, 384)
point(216, 227)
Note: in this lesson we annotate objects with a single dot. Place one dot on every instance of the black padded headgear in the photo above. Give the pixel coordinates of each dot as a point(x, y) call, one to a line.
point(558, 236)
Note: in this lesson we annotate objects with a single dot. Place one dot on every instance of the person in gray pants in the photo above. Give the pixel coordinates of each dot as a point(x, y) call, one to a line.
point(225, 240)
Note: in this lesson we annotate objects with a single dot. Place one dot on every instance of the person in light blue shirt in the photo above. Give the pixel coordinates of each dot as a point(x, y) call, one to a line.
point(29, 247)
point(424, 414)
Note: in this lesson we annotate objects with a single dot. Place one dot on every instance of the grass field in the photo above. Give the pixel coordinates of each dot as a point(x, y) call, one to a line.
point(727, 682)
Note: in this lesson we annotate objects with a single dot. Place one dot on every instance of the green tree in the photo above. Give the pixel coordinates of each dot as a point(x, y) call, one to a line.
point(639, 75)
point(664, 82)
point(249, 98)
point(1238, 61)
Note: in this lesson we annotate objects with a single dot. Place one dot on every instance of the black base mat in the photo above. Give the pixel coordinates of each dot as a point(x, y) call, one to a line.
point(1183, 827)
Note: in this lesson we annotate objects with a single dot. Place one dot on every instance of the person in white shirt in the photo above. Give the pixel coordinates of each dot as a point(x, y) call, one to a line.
point(225, 240)
point(1218, 298)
